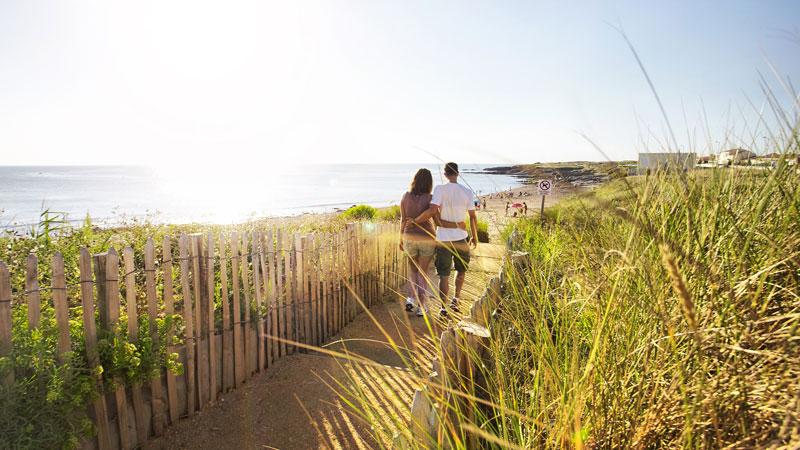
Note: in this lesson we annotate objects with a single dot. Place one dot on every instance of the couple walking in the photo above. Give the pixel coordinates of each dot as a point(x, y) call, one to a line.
point(447, 244)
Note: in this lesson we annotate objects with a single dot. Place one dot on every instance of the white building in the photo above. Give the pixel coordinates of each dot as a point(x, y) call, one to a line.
point(734, 156)
point(665, 161)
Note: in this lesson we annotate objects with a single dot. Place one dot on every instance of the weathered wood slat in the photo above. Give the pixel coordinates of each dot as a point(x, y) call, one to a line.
point(279, 274)
point(60, 305)
point(248, 339)
point(312, 300)
point(238, 352)
point(201, 317)
point(90, 336)
point(152, 313)
point(5, 319)
point(326, 251)
point(186, 294)
point(227, 334)
point(263, 317)
point(210, 316)
point(169, 309)
point(289, 287)
point(257, 293)
point(273, 298)
point(32, 291)
point(133, 336)
point(107, 275)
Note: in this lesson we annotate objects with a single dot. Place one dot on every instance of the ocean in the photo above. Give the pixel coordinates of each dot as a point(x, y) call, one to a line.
point(114, 194)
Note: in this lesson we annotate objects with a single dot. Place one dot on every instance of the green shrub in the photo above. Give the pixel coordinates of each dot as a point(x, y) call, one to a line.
point(360, 212)
point(483, 230)
point(45, 407)
point(391, 214)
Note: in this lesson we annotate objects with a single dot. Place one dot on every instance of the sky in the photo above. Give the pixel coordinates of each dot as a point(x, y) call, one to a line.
point(244, 84)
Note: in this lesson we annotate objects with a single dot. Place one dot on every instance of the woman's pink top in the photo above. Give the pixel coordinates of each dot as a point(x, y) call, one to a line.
point(413, 205)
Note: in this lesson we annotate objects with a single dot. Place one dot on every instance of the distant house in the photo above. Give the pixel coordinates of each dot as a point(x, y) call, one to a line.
point(791, 158)
point(734, 156)
point(651, 162)
point(707, 159)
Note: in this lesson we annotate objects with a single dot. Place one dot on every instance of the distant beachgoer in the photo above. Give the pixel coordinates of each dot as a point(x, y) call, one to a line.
point(524, 208)
point(484, 203)
point(507, 205)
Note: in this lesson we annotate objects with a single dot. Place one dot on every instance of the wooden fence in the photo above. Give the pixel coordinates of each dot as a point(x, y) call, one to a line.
point(304, 289)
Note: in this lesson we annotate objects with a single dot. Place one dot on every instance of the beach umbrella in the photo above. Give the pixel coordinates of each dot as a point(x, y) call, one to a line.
point(517, 205)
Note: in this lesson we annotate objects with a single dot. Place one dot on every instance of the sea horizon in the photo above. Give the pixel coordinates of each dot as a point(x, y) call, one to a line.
point(111, 194)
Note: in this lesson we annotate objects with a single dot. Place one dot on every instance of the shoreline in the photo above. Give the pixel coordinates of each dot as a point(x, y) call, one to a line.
point(568, 178)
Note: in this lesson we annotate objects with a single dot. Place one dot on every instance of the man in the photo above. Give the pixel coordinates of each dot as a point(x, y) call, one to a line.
point(452, 201)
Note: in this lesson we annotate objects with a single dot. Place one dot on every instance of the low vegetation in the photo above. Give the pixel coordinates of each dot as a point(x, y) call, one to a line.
point(46, 406)
point(657, 312)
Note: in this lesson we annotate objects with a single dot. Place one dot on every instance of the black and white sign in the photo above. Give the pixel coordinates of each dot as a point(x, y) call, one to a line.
point(545, 187)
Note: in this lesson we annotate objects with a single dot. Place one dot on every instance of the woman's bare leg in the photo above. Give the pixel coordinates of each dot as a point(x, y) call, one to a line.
point(413, 274)
point(422, 279)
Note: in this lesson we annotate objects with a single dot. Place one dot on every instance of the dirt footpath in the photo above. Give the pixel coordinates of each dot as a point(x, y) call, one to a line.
point(293, 404)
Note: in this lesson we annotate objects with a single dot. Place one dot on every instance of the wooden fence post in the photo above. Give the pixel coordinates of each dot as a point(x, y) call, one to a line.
point(313, 276)
point(6, 324)
point(257, 293)
point(291, 275)
point(248, 340)
point(227, 342)
point(90, 336)
point(262, 316)
point(210, 316)
point(106, 267)
point(326, 316)
point(238, 353)
point(169, 309)
point(299, 277)
point(152, 312)
point(60, 305)
point(32, 291)
point(201, 317)
point(273, 295)
point(133, 336)
point(281, 296)
point(186, 293)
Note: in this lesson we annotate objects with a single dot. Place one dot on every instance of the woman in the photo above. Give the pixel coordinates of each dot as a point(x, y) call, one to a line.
point(418, 240)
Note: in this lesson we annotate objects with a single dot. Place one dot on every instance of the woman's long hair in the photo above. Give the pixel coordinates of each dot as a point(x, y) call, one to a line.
point(422, 182)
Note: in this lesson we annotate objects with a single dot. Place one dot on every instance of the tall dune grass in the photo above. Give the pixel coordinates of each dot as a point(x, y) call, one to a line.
point(657, 312)
point(660, 312)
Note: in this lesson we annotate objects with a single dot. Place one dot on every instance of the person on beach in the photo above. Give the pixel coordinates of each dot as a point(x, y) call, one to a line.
point(451, 202)
point(507, 205)
point(525, 208)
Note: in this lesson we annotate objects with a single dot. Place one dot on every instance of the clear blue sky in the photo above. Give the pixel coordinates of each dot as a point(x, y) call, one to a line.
point(252, 83)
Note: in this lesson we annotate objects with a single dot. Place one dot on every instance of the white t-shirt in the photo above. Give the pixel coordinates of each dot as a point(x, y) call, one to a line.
point(454, 200)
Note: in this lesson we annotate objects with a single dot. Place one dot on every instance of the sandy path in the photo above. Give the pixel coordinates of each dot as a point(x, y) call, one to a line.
point(293, 404)
point(266, 412)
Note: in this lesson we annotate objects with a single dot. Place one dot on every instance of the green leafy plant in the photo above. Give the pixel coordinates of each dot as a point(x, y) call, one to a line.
point(390, 214)
point(360, 212)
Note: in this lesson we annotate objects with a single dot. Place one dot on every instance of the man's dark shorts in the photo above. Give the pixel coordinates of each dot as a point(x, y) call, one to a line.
point(449, 252)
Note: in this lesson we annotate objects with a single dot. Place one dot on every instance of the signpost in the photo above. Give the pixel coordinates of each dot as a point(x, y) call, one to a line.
point(545, 189)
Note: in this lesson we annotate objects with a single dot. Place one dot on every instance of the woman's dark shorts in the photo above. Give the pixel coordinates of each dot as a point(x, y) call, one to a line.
point(451, 251)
